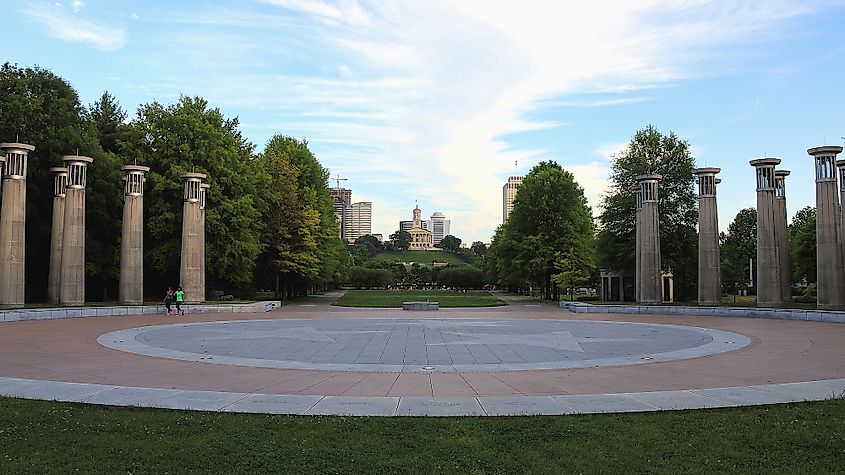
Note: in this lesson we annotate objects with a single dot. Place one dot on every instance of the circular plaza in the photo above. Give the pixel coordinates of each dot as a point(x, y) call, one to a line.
point(314, 358)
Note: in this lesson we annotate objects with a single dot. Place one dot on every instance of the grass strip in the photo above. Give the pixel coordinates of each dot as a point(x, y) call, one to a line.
point(394, 298)
point(50, 437)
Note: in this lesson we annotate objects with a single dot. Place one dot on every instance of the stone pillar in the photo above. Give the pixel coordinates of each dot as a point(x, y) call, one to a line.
point(782, 236)
point(203, 196)
point(132, 237)
point(13, 225)
point(637, 245)
point(651, 289)
point(54, 272)
point(768, 260)
point(193, 256)
point(840, 164)
point(830, 275)
point(72, 280)
point(709, 270)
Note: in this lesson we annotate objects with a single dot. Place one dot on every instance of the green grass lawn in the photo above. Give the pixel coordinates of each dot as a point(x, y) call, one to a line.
point(420, 257)
point(49, 437)
point(394, 298)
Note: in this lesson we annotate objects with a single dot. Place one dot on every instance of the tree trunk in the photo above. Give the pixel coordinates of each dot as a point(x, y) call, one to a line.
point(276, 293)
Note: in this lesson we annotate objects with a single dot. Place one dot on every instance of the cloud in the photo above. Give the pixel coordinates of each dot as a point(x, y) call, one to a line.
point(436, 100)
point(71, 28)
point(77, 5)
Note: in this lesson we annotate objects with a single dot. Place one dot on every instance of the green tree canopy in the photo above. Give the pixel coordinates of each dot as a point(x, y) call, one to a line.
point(400, 240)
point(802, 245)
point(738, 248)
point(450, 243)
point(651, 151)
point(189, 136)
point(550, 220)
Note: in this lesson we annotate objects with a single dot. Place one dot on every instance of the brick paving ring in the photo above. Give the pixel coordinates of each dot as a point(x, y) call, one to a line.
point(421, 345)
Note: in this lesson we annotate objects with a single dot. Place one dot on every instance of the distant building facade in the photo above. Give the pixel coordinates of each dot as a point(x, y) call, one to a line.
point(406, 225)
point(342, 200)
point(357, 220)
point(439, 227)
point(421, 238)
point(508, 195)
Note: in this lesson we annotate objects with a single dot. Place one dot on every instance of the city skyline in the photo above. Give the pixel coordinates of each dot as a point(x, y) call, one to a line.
point(392, 100)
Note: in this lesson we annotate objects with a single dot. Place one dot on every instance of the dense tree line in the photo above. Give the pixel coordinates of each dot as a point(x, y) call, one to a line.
point(269, 222)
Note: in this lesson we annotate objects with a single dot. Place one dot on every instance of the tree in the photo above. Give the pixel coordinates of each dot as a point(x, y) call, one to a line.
point(463, 277)
point(40, 108)
point(738, 248)
point(802, 246)
point(191, 136)
point(107, 117)
point(332, 256)
point(651, 151)
point(550, 216)
point(450, 243)
point(401, 240)
point(478, 248)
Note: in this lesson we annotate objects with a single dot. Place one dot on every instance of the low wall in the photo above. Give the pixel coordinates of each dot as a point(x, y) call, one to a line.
point(742, 312)
point(121, 310)
point(420, 306)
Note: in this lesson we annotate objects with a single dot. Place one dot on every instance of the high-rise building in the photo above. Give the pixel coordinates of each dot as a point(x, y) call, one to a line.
point(439, 227)
point(508, 195)
point(342, 200)
point(357, 220)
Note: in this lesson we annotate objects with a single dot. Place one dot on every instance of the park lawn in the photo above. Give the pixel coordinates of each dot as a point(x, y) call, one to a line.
point(51, 437)
point(420, 257)
point(394, 298)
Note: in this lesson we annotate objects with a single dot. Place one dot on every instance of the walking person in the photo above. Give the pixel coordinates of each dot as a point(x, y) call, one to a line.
point(180, 299)
point(168, 299)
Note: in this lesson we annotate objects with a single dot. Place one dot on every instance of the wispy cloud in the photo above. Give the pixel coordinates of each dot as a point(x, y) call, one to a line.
point(74, 29)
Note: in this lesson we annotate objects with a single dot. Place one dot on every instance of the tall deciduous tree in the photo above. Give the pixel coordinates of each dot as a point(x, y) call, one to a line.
point(738, 248)
point(802, 245)
point(450, 243)
point(550, 220)
point(401, 240)
point(651, 151)
point(328, 258)
point(189, 136)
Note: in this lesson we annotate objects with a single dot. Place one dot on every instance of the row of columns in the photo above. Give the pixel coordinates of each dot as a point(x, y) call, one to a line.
point(66, 270)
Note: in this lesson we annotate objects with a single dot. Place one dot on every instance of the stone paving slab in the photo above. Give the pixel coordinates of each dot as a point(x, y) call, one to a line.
point(439, 406)
point(421, 406)
point(355, 406)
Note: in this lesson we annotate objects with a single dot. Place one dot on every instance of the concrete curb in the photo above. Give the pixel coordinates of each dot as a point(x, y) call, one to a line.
point(741, 312)
point(297, 404)
point(123, 310)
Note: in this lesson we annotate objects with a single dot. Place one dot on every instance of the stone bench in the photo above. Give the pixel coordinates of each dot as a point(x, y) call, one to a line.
point(422, 306)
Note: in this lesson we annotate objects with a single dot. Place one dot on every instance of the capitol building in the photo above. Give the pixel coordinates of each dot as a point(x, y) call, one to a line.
point(421, 239)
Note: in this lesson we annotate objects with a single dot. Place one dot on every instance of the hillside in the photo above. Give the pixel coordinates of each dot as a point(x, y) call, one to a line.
point(420, 257)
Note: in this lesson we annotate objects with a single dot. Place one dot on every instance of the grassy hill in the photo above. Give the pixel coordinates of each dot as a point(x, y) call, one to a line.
point(420, 257)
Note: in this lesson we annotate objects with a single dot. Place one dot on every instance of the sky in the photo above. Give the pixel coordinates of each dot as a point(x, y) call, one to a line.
point(440, 101)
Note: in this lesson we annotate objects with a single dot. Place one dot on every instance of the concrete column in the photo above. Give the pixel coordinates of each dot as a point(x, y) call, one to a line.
point(840, 164)
point(709, 270)
point(193, 249)
point(638, 245)
point(782, 236)
point(651, 290)
point(56, 233)
point(203, 196)
point(768, 260)
point(830, 275)
point(72, 280)
point(13, 225)
point(132, 237)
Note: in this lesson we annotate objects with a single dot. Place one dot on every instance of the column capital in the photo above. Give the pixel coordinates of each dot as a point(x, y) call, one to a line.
point(59, 181)
point(825, 158)
point(193, 182)
point(765, 172)
point(780, 183)
point(77, 170)
point(134, 180)
point(14, 155)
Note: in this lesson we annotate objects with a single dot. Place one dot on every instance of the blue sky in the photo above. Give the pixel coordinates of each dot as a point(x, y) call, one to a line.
point(435, 101)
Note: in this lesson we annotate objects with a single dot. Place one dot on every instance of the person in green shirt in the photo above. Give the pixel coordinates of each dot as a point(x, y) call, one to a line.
point(180, 299)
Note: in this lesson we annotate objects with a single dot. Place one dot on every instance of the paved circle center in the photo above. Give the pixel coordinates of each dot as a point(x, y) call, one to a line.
point(423, 344)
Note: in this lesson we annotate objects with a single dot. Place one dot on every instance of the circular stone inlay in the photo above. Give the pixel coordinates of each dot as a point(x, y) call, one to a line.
point(423, 344)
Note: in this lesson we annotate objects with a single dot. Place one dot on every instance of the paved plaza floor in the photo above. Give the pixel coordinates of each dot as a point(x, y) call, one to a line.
point(526, 358)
